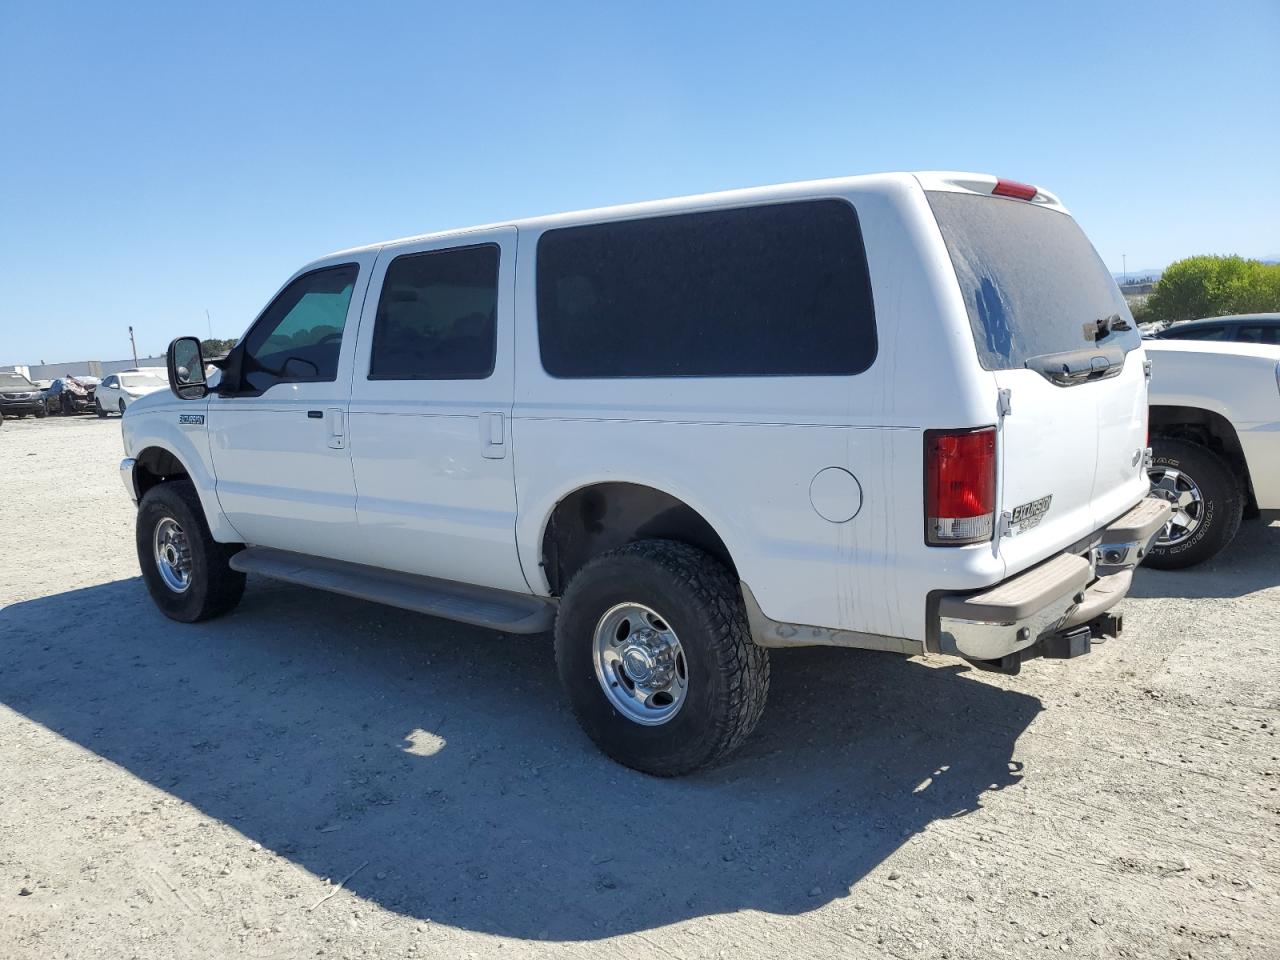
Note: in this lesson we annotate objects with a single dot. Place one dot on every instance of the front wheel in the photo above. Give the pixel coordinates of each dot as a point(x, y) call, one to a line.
point(122, 407)
point(1207, 498)
point(654, 651)
point(42, 411)
point(186, 571)
point(97, 408)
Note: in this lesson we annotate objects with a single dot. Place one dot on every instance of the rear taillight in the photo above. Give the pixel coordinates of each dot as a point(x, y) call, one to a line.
point(960, 486)
point(1012, 188)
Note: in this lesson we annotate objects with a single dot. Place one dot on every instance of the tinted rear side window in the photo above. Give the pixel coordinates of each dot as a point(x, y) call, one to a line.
point(1031, 280)
point(1195, 333)
point(437, 316)
point(1260, 334)
point(779, 290)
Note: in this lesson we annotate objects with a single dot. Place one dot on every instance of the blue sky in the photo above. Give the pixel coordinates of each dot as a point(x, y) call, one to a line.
point(157, 162)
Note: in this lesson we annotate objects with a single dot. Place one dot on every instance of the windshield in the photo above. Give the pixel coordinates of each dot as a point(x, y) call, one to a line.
point(15, 381)
point(1032, 283)
point(142, 380)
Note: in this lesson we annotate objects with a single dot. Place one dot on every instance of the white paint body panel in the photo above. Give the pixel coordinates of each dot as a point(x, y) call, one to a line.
point(279, 481)
point(436, 495)
point(1239, 382)
point(418, 495)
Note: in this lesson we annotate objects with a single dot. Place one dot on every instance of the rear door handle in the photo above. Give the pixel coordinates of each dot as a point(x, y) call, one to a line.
point(493, 436)
point(337, 428)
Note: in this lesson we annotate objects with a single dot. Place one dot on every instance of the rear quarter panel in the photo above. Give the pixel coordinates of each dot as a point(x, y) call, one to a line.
point(744, 451)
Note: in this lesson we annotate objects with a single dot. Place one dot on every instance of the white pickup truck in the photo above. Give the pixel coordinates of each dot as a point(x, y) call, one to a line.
point(904, 412)
point(1215, 434)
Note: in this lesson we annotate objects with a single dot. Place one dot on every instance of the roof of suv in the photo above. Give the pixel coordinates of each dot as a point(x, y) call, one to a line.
point(1265, 318)
point(981, 183)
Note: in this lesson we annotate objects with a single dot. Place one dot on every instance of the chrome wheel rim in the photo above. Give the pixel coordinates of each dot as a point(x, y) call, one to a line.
point(640, 664)
point(1188, 504)
point(173, 555)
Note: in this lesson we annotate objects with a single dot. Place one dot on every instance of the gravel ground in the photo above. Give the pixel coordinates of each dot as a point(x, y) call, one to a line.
point(178, 791)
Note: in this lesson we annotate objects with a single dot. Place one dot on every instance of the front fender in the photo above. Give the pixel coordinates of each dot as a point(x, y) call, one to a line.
point(178, 427)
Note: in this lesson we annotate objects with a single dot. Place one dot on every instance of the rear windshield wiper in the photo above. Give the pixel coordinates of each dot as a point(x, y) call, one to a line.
point(1105, 326)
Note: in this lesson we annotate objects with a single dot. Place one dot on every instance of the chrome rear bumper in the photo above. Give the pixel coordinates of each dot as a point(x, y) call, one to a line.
point(1064, 592)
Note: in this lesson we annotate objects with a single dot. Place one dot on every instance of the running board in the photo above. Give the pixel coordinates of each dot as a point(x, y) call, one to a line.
point(481, 606)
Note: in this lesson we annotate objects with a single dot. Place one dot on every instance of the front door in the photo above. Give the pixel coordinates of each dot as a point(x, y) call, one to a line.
point(277, 425)
point(430, 411)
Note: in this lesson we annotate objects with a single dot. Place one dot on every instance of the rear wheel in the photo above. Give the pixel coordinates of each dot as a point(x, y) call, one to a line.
point(1208, 502)
point(654, 652)
point(187, 572)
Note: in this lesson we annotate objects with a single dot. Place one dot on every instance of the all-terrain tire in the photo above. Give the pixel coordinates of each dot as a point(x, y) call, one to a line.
point(214, 587)
point(1221, 505)
point(728, 675)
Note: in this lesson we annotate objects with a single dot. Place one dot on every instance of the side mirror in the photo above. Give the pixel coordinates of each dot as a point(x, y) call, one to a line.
point(186, 369)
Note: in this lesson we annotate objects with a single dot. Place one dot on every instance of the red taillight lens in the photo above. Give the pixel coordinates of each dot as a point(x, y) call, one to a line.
point(960, 485)
point(1012, 188)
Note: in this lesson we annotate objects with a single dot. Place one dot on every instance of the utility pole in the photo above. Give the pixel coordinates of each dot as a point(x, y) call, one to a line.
point(1124, 267)
point(134, 345)
point(209, 320)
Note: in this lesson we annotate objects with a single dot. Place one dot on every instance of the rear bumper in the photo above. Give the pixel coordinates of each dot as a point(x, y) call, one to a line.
point(1062, 593)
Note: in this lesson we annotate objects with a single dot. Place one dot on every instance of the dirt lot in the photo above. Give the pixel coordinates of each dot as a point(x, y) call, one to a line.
point(173, 792)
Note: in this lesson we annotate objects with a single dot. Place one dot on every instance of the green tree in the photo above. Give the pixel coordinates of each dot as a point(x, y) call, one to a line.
point(215, 347)
point(1210, 286)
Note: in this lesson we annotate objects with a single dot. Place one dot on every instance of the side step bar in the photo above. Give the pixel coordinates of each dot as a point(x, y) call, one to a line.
point(497, 609)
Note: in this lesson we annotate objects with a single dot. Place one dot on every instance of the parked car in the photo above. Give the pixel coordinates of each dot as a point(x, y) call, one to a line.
point(67, 395)
point(904, 413)
point(1244, 328)
point(118, 390)
point(1215, 435)
point(19, 397)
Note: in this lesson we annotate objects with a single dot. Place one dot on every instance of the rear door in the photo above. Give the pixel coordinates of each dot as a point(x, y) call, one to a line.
point(430, 411)
point(1049, 322)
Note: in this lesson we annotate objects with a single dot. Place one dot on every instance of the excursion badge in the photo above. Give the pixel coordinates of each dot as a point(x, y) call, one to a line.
point(1027, 515)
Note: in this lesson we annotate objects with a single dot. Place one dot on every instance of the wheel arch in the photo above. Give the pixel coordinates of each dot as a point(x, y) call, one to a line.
point(601, 515)
point(154, 465)
point(1210, 429)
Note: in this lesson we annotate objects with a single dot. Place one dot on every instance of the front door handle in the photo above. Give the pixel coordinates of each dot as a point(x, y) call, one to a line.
point(315, 414)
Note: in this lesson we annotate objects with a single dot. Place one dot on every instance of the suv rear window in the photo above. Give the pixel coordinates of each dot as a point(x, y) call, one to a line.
point(777, 290)
point(1031, 280)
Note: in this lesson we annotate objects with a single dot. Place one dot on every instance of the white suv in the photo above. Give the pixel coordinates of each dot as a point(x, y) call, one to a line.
point(904, 412)
point(116, 392)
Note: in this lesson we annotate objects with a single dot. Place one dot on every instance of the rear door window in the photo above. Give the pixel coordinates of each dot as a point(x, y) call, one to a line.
point(775, 290)
point(437, 316)
point(1032, 283)
point(1255, 333)
point(1195, 333)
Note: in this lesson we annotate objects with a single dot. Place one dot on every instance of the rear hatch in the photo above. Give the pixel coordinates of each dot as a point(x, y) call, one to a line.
point(1051, 325)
